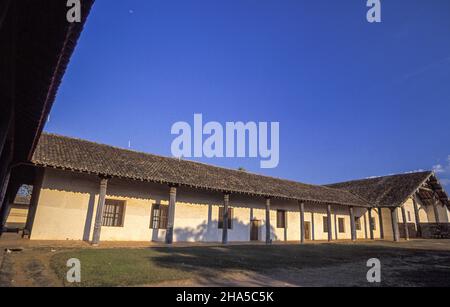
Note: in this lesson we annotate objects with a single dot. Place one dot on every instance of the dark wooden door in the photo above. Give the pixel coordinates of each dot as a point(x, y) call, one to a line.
point(254, 230)
point(307, 230)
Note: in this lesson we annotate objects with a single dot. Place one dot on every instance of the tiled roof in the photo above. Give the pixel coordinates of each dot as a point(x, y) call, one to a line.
point(85, 156)
point(388, 191)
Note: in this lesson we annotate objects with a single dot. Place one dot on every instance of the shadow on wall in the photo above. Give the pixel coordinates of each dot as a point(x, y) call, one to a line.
point(208, 230)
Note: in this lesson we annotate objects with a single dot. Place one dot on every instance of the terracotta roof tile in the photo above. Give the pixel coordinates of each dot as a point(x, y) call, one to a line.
point(85, 156)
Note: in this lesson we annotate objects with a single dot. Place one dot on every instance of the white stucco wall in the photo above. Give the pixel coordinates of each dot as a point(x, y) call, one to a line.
point(67, 205)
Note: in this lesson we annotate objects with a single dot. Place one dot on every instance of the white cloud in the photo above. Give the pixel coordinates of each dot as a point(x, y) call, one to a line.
point(415, 171)
point(443, 170)
point(438, 169)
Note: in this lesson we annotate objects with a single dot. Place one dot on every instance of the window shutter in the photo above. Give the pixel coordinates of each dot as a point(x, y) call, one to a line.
point(164, 211)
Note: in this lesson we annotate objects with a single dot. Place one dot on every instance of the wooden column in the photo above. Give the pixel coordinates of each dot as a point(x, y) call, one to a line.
point(99, 213)
point(394, 219)
point(365, 227)
point(405, 223)
point(268, 239)
point(302, 222)
point(436, 211)
point(417, 216)
point(312, 227)
point(226, 200)
point(171, 214)
point(352, 224)
point(370, 224)
point(330, 231)
point(380, 219)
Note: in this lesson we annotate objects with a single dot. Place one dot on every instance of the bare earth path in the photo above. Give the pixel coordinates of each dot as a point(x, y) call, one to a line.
point(413, 263)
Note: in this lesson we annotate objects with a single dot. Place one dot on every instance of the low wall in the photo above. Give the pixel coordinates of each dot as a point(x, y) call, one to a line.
point(435, 230)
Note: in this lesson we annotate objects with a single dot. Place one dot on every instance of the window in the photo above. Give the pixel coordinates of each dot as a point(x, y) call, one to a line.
point(325, 224)
point(373, 224)
point(281, 219)
point(358, 223)
point(113, 213)
point(230, 218)
point(341, 223)
point(409, 216)
point(159, 216)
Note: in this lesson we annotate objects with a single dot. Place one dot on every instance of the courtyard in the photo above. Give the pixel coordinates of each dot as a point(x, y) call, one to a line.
point(342, 263)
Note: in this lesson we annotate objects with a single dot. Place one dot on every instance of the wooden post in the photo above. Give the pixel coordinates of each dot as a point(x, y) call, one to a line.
point(352, 224)
point(226, 200)
point(365, 227)
point(171, 214)
point(417, 216)
point(330, 231)
point(99, 213)
point(312, 227)
point(394, 219)
point(268, 239)
point(380, 218)
point(436, 211)
point(302, 223)
point(405, 223)
point(370, 224)
point(336, 230)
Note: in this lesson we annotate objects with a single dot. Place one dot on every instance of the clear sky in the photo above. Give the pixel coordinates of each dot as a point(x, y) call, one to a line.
point(353, 99)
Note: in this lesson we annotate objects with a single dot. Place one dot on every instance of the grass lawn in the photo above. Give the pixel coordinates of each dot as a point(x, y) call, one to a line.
point(324, 264)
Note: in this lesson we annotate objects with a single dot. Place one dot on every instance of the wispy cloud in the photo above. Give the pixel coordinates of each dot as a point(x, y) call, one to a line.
point(426, 68)
point(443, 170)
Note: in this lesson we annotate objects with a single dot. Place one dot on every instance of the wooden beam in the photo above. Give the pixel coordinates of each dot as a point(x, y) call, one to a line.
point(436, 211)
point(99, 213)
point(171, 214)
point(370, 224)
point(394, 220)
point(302, 222)
point(380, 219)
point(426, 189)
point(405, 223)
point(352, 224)
point(365, 227)
point(417, 216)
point(330, 230)
point(268, 238)
point(226, 200)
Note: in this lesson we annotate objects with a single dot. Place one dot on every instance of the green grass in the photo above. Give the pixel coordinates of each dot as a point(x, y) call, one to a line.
point(116, 267)
point(128, 267)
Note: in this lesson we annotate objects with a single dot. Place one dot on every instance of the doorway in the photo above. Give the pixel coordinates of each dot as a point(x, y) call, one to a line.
point(254, 230)
point(307, 230)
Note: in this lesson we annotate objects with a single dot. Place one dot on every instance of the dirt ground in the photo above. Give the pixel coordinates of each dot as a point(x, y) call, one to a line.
point(412, 263)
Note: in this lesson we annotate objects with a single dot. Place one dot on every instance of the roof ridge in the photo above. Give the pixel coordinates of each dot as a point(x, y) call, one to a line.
point(380, 177)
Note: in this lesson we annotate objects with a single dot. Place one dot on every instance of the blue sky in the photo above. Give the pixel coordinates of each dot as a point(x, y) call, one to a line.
point(353, 99)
